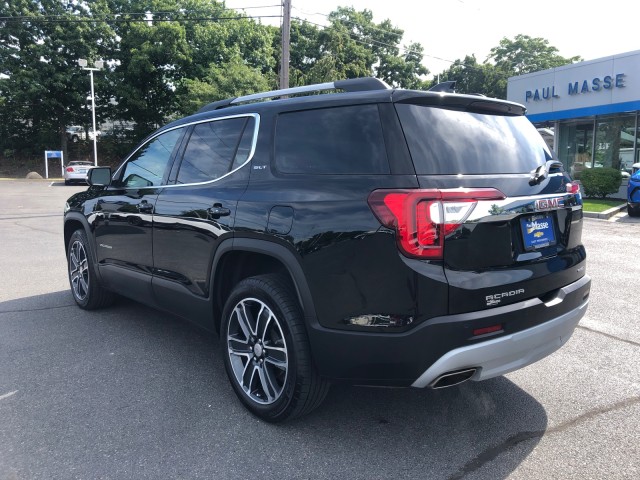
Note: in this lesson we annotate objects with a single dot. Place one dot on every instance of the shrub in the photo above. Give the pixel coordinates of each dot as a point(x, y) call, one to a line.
point(600, 182)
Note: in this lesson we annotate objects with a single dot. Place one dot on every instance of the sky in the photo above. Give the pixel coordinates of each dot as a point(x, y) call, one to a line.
point(451, 29)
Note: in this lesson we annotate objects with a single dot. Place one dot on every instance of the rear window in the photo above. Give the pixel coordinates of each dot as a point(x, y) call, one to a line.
point(449, 142)
point(340, 140)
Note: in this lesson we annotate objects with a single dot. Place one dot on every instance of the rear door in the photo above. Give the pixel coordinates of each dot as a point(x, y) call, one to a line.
point(512, 218)
point(197, 210)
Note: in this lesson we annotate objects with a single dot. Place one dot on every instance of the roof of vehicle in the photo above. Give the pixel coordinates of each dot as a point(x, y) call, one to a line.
point(356, 91)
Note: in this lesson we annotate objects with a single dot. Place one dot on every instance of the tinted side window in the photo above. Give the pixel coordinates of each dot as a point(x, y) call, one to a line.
point(449, 142)
point(147, 166)
point(211, 149)
point(340, 140)
point(245, 145)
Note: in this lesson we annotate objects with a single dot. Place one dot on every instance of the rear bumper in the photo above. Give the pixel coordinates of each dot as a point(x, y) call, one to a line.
point(502, 355)
point(532, 329)
point(80, 177)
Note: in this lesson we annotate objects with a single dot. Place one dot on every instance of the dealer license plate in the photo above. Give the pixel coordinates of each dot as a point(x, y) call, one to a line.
point(537, 232)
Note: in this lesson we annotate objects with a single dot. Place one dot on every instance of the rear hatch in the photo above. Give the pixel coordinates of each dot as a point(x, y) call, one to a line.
point(501, 214)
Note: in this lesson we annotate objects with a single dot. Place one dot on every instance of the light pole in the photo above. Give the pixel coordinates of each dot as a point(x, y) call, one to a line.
point(97, 66)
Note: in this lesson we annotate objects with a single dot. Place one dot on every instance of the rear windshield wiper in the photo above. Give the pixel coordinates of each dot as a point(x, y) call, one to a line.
point(543, 171)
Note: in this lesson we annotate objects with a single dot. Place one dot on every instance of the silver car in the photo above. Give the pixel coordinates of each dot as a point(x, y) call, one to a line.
point(76, 171)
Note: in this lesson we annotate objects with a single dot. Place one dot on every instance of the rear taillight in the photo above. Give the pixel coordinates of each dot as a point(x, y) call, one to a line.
point(423, 218)
point(573, 188)
point(69, 169)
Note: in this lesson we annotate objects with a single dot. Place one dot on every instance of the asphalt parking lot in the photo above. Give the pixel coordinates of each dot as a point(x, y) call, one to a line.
point(129, 392)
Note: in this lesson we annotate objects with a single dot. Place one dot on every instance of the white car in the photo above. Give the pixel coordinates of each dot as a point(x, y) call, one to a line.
point(76, 171)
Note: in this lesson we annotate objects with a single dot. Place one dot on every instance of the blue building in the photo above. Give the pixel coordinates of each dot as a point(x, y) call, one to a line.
point(591, 106)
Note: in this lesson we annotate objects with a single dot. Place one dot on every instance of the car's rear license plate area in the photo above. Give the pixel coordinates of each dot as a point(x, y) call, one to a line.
point(537, 231)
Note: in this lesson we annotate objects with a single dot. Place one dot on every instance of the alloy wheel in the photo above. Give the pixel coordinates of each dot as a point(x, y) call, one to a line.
point(79, 270)
point(257, 351)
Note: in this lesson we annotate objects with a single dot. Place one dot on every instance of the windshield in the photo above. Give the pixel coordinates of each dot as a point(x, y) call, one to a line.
point(451, 142)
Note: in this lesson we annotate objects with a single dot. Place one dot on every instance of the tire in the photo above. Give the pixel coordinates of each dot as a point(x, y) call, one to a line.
point(67, 182)
point(633, 212)
point(87, 291)
point(266, 351)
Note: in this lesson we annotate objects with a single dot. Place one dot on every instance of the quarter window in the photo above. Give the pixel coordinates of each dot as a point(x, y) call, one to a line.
point(147, 166)
point(215, 148)
point(340, 140)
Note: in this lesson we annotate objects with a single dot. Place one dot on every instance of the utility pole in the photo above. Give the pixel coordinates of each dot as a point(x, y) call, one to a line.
point(286, 40)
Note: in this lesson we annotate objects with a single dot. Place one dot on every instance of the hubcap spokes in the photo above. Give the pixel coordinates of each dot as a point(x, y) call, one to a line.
point(79, 270)
point(257, 351)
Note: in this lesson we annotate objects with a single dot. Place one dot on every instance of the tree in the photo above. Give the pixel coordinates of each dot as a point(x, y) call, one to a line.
point(231, 79)
point(353, 45)
point(305, 54)
point(521, 55)
point(44, 89)
point(164, 66)
point(473, 77)
point(525, 54)
point(150, 62)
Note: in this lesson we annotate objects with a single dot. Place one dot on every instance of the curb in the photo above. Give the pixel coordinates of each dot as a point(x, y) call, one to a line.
point(607, 214)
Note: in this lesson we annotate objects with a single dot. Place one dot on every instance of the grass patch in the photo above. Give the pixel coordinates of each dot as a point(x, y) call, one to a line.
point(598, 205)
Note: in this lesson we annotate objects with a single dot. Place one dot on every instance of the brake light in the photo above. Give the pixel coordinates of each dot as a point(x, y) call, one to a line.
point(69, 169)
point(423, 218)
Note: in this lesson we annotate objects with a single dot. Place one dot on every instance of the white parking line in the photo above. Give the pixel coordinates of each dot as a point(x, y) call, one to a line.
point(51, 183)
point(7, 395)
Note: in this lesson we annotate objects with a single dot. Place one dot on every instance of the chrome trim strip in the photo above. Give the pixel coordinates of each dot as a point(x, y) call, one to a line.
point(490, 175)
point(512, 207)
point(184, 125)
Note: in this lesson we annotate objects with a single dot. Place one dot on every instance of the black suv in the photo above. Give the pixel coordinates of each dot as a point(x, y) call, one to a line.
point(375, 236)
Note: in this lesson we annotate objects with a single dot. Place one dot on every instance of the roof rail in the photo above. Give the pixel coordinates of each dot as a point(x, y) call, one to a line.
point(350, 85)
point(445, 87)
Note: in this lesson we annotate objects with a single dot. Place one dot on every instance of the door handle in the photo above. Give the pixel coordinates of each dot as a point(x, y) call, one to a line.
point(145, 207)
point(218, 211)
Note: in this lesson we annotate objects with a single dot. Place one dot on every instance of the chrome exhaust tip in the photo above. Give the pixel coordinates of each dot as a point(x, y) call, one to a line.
point(450, 379)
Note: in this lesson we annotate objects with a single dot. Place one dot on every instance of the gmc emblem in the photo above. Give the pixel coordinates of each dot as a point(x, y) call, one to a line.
point(548, 204)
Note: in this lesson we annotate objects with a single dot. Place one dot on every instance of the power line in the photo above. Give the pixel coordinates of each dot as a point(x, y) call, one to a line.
point(119, 18)
point(344, 20)
point(374, 42)
point(360, 40)
point(120, 14)
point(379, 43)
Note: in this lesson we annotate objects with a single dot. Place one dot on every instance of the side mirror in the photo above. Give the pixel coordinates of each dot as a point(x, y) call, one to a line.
point(99, 176)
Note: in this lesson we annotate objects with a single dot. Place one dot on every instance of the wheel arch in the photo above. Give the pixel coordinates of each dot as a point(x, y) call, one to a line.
point(240, 258)
point(75, 221)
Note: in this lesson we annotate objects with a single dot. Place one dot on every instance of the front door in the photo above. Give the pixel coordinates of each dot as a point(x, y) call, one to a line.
point(124, 216)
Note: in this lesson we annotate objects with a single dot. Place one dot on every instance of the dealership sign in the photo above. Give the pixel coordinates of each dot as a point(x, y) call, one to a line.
point(596, 87)
point(597, 84)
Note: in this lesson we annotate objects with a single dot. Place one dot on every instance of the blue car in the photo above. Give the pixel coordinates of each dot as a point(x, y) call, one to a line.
point(633, 194)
